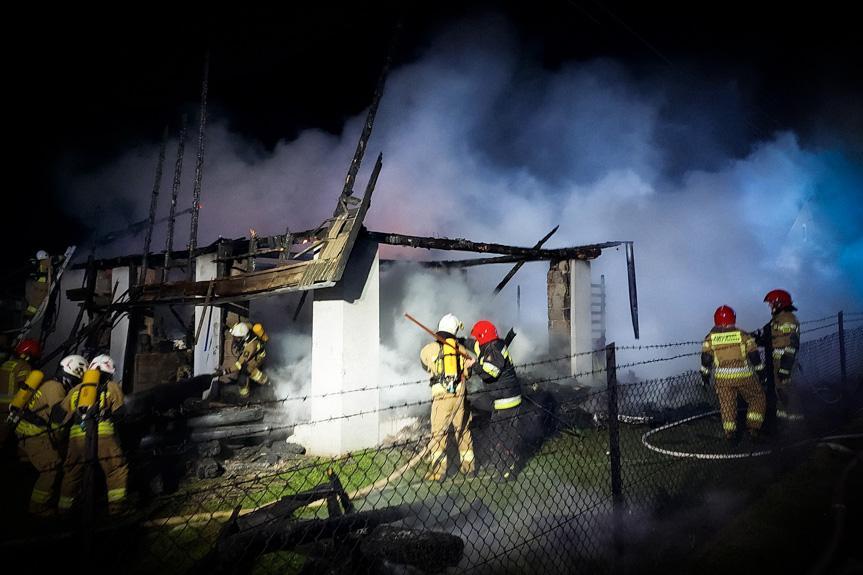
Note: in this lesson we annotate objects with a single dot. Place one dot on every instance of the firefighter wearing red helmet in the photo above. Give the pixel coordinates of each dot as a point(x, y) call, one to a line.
point(781, 336)
point(447, 361)
point(13, 375)
point(732, 356)
point(495, 367)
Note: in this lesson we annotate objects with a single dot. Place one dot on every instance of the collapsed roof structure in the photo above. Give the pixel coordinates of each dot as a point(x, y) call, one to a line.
point(227, 274)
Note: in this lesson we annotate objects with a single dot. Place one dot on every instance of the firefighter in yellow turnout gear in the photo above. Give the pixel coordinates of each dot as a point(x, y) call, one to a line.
point(783, 332)
point(249, 341)
point(449, 366)
point(13, 375)
point(94, 403)
point(42, 440)
point(733, 357)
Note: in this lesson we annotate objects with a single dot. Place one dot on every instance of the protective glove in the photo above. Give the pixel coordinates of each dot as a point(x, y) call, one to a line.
point(759, 337)
point(705, 381)
point(219, 372)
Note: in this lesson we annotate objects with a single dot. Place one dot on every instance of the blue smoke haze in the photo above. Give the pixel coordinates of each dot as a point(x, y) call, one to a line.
point(480, 142)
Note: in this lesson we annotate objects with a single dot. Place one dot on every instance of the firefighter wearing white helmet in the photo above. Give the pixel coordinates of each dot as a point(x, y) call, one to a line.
point(93, 407)
point(39, 281)
point(447, 361)
point(42, 440)
point(249, 347)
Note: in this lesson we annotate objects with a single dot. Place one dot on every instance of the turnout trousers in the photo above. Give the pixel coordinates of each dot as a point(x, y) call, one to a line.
point(449, 411)
point(44, 457)
point(506, 438)
point(750, 390)
point(113, 464)
point(789, 408)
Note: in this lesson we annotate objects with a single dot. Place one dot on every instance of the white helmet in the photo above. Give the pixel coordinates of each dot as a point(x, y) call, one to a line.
point(74, 365)
point(42, 255)
point(103, 363)
point(450, 324)
point(240, 329)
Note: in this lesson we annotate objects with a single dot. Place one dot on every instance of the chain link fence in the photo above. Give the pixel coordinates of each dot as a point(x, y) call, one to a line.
point(620, 476)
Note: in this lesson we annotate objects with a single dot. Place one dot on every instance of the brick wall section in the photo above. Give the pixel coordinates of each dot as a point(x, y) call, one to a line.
point(559, 319)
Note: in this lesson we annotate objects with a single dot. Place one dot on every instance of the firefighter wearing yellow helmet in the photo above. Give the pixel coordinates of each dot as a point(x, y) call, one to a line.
point(91, 408)
point(41, 439)
point(250, 346)
point(732, 355)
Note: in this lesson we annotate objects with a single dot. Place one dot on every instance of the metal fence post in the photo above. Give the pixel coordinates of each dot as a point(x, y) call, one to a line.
point(842, 366)
point(614, 453)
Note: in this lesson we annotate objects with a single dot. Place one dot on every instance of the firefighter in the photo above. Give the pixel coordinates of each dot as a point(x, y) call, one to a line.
point(249, 345)
point(732, 355)
point(13, 374)
point(39, 281)
point(782, 335)
point(449, 366)
point(95, 405)
point(495, 367)
point(43, 439)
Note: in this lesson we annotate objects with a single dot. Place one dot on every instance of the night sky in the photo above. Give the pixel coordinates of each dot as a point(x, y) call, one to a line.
point(683, 92)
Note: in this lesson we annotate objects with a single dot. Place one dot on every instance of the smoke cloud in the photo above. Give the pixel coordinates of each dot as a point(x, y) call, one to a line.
point(480, 142)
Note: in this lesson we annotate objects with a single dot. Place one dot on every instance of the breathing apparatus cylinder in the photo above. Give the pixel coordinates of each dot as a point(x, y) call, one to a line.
point(27, 389)
point(87, 393)
point(450, 359)
point(258, 330)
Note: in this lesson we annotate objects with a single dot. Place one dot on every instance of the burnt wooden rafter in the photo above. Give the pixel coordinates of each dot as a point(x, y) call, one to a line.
point(335, 246)
point(587, 252)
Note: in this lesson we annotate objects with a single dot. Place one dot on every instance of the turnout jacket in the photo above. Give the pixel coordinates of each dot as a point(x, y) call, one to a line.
point(433, 357)
point(251, 357)
point(109, 406)
point(13, 372)
point(36, 415)
point(732, 354)
point(495, 367)
point(784, 333)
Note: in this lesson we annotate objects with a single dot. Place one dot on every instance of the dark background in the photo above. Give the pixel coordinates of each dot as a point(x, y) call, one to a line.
point(94, 82)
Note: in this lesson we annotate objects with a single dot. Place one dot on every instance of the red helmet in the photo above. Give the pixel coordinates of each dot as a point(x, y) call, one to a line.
point(483, 331)
point(724, 315)
point(778, 298)
point(29, 348)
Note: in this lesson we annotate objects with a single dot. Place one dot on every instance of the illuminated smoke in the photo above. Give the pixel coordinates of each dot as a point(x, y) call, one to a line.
point(479, 142)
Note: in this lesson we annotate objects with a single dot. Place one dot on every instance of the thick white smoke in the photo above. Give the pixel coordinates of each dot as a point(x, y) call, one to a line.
point(479, 142)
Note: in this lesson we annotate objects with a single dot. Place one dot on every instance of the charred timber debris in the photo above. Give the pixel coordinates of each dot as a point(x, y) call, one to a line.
point(274, 528)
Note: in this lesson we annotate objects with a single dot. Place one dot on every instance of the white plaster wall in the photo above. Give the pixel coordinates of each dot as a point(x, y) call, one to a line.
point(581, 332)
point(208, 346)
point(345, 360)
point(121, 280)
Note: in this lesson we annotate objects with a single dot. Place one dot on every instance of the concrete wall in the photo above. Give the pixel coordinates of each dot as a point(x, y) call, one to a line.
point(208, 347)
point(122, 278)
point(582, 320)
point(345, 360)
